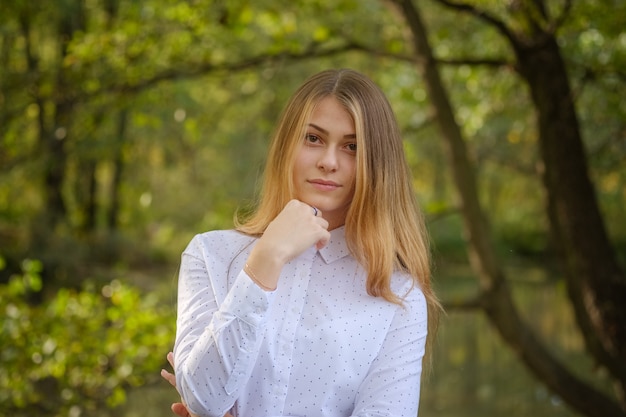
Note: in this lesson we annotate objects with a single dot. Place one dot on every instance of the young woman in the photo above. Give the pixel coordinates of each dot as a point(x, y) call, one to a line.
point(318, 303)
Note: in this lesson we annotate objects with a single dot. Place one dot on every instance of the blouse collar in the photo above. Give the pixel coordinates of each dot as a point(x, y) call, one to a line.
point(337, 247)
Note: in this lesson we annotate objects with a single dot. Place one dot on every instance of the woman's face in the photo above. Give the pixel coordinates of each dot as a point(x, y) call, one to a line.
point(325, 166)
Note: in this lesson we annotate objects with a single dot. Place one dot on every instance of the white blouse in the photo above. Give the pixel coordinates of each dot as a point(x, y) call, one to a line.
point(317, 346)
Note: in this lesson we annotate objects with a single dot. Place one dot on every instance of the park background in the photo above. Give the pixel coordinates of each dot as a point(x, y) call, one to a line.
point(126, 127)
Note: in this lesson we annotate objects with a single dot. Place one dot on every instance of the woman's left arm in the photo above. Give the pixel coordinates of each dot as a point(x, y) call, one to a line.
point(392, 385)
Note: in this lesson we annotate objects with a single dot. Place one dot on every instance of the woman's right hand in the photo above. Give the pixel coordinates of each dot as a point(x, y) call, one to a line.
point(179, 408)
point(296, 228)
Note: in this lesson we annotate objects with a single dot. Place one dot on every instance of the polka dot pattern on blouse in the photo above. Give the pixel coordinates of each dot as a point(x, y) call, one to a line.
point(317, 346)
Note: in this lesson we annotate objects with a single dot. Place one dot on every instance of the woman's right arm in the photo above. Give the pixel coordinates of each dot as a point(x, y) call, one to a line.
point(217, 345)
point(294, 230)
point(178, 408)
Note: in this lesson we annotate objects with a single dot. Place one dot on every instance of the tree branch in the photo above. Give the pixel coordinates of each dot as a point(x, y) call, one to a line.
point(312, 52)
point(206, 68)
point(481, 14)
point(567, 7)
point(486, 62)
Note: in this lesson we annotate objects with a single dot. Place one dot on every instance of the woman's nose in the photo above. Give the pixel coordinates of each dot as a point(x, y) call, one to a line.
point(328, 160)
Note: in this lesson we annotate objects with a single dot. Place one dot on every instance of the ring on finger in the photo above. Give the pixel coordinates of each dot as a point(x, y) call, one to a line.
point(314, 210)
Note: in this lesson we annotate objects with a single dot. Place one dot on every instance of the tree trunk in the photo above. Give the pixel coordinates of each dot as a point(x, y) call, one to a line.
point(54, 205)
point(55, 112)
point(90, 203)
point(52, 147)
point(118, 167)
point(495, 294)
point(596, 284)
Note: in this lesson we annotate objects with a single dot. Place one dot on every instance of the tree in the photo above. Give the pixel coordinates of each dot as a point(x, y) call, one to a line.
point(127, 116)
point(595, 279)
point(76, 66)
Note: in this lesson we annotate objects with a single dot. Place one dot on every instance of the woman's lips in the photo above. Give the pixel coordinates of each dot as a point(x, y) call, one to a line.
point(324, 185)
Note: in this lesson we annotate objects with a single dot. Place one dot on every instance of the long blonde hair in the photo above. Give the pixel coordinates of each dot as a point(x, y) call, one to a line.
point(385, 229)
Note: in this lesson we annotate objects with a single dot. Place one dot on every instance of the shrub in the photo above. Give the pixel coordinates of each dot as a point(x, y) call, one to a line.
point(79, 350)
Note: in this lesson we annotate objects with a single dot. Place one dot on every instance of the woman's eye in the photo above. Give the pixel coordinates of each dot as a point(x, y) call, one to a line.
point(351, 147)
point(311, 138)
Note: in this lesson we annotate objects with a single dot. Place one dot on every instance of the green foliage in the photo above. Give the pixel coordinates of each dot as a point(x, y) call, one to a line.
point(161, 137)
point(184, 144)
point(79, 350)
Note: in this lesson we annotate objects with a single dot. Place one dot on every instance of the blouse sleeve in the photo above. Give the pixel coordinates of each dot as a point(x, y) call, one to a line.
point(216, 343)
point(392, 385)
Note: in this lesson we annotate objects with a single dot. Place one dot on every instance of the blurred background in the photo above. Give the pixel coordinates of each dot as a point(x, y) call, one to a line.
point(126, 127)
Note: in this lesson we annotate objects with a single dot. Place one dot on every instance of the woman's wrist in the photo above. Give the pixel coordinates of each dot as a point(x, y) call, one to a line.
point(264, 268)
point(248, 270)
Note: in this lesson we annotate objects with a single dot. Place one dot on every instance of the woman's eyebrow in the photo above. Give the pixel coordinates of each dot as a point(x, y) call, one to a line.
point(324, 131)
